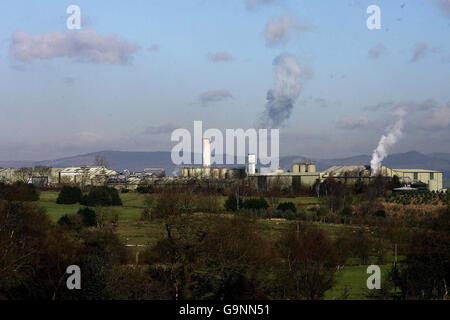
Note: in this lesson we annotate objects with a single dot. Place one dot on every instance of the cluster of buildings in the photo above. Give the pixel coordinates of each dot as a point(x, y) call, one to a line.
point(301, 175)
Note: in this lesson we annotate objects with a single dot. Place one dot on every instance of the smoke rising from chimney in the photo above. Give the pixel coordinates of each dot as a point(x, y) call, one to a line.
point(387, 141)
point(287, 88)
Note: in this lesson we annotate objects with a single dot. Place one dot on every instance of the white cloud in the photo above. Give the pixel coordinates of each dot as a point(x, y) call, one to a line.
point(220, 56)
point(82, 46)
point(277, 30)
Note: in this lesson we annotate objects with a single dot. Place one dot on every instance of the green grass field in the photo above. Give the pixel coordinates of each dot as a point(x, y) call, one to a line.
point(130, 211)
point(352, 279)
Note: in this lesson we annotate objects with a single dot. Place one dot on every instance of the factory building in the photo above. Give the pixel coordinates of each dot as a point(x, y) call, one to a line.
point(352, 174)
point(206, 171)
point(83, 174)
point(433, 179)
point(303, 175)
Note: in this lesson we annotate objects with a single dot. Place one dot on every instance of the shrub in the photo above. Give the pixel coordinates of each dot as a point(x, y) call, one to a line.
point(71, 221)
point(379, 214)
point(255, 203)
point(69, 195)
point(18, 191)
point(231, 204)
point(287, 206)
point(124, 190)
point(102, 196)
point(88, 217)
point(145, 189)
point(346, 212)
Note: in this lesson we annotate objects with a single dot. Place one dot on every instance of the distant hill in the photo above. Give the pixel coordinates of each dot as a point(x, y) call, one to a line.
point(136, 161)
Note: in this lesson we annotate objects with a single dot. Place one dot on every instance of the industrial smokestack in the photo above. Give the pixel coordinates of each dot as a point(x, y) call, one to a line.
point(251, 163)
point(206, 153)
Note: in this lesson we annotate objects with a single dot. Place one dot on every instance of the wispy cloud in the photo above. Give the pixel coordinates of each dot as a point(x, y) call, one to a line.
point(377, 51)
point(379, 106)
point(438, 118)
point(82, 46)
point(214, 96)
point(277, 30)
point(420, 50)
point(154, 47)
point(161, 129)
point(252, 4)
point(427, 115)
point(351, 123)
point(68, 81)
point(444, 5)
point(220, 56)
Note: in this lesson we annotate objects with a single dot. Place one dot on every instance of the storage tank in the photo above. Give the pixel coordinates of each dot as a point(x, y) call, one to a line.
point(206, 173)
point(302, 167)
point(223, 173)
point(197, 172)
point(311, 167)
point(216, 173)
point(296, 168)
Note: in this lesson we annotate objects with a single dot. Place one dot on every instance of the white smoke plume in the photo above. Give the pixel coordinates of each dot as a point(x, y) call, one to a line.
point(387, 141)
point(287, 88)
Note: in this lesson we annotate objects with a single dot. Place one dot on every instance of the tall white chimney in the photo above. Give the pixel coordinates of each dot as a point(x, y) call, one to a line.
point(206, 152)
point(251, 163)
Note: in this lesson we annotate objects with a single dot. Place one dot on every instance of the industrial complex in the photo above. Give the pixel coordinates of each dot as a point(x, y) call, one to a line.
point(300, 175)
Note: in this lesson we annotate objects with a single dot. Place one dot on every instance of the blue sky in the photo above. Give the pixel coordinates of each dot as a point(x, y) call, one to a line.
point(164, 75)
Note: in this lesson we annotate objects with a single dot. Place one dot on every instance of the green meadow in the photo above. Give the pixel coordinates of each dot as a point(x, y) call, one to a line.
point(350, 282)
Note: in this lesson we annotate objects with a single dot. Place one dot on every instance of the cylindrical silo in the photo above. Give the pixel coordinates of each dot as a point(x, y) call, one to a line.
point(311, 167)
point(206, 173)
point(223, 173)
point(303, 167)
point(215, 173)
point(296, 168)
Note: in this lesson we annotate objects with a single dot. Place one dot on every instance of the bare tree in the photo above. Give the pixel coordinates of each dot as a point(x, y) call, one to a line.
point(101, 161)
point(23, 174)
point(84, 177)
point(43, 171)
